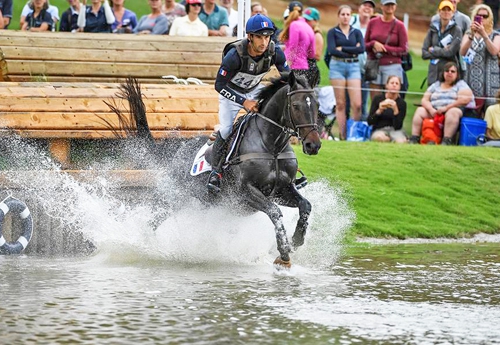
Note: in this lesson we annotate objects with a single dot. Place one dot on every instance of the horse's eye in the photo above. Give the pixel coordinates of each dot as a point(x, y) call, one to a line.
point(295, 106)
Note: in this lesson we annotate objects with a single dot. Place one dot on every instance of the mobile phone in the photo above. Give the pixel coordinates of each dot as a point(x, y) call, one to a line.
point(478, 19)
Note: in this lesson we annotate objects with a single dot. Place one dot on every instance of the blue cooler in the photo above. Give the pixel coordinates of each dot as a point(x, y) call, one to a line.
point(470, 130)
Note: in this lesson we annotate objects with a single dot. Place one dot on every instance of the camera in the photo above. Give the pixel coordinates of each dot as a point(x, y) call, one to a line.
point(379, 55)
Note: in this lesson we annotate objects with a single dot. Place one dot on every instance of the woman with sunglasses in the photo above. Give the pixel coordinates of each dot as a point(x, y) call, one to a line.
point(448, 96)
point(189, 25)
point(480, 47)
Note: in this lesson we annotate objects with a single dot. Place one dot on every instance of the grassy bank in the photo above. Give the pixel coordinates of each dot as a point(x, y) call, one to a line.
point(413, 191)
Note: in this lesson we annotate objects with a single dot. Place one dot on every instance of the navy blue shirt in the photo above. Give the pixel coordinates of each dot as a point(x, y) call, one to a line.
point(36, 22)
point(6, 9)
point(231, 65)
point(336, 38)
point(69, 21)
point(95, 23)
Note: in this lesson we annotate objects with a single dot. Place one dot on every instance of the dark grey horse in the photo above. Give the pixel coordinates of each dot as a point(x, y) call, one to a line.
point(262, 171)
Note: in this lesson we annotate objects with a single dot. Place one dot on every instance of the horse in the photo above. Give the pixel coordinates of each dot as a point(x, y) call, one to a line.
point(261, 170)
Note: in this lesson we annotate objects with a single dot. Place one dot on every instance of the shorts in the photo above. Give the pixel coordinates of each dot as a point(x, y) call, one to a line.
point(344, 70)
point(391, 133)
point(386, 71)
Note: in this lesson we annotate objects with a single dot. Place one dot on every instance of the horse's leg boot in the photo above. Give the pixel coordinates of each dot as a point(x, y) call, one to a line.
point(218, 156)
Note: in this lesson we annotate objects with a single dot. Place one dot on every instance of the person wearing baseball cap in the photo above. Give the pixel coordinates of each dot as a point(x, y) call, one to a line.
point(190, 24)
point(366, 11)
point(442, 42)
point(311, 15)
point(462, 20)
point(300, 44)
point(386, 40)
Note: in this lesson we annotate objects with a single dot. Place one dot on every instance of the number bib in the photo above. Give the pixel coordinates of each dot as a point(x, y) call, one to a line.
point(247, 81)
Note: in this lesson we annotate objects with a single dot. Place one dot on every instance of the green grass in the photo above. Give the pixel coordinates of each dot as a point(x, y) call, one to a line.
point(407, 191)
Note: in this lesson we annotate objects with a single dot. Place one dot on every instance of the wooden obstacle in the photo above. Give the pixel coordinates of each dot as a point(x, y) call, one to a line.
point(60, 112)
point(86, 57)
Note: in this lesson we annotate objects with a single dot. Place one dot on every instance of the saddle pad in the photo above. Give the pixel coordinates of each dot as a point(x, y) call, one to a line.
point(200, 164)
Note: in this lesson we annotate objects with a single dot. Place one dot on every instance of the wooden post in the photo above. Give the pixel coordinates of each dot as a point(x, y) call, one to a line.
point(60, 150)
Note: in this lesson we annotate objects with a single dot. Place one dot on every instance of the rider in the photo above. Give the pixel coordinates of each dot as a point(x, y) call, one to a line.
point(238, 82)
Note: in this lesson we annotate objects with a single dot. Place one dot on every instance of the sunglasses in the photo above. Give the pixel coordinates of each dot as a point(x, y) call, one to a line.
point(199, 5)
point(485, 16)
point(451, 71)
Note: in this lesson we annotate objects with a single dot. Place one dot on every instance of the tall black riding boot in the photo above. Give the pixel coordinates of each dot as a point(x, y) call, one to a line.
point(218, 156)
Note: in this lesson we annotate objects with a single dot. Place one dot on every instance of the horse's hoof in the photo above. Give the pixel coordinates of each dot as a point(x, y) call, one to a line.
point(281, 264)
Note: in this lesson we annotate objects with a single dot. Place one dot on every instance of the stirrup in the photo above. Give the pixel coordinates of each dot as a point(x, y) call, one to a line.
point(214, 180)
point(301, 182)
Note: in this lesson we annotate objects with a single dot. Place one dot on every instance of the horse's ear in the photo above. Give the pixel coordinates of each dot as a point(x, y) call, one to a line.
point(291, 79)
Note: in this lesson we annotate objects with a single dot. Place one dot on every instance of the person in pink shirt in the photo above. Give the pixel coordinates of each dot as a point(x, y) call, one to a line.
point(300, 44)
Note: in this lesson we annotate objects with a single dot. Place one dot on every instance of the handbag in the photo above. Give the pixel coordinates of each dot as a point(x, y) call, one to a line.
point(407, 62)
point(372, 65)
point(371, 69)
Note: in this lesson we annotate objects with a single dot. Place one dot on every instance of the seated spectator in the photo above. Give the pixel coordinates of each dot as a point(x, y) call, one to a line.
point(5, 13)
point(69, 18)
point(232, 14)
point(155, 23)
point(448, 96)
point(387, 113)
point(492, 119)
point(189, 25)
point(53, 10)
point(215, 18)
point(98, 17)
point(125, 20)
point(39, 19)
point(173, 10)
point(442, 42)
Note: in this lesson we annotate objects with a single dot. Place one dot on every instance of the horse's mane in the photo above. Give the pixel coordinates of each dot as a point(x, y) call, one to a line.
point(278, 83)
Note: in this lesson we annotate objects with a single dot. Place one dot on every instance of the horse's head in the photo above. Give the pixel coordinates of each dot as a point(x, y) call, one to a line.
point(303, 113)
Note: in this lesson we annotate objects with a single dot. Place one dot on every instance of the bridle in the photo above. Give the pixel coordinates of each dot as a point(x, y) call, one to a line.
point(287, 115)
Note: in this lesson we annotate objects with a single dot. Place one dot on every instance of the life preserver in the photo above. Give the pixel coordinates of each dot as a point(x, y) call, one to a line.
point(17, 207)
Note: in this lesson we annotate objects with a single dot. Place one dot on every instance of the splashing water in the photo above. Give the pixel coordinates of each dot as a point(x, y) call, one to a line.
point(188, 234)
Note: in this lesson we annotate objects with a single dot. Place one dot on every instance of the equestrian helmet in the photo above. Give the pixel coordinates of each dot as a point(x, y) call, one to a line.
point(260, 25)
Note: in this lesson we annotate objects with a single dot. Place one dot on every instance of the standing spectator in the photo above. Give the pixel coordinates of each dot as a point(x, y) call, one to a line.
point(387, 113)
point(480, 48)
point(69, 18)
point(53, 10)
point(462, 20)
point(386, 39)
point(448, 96)
point(215, 18)
point(39, 19)
point(311, 15)
point(442, 43)
point(495, 6)
point(190, 25)
point(173, 10)
point(360, 21)
point(98, 17)
point(344, 44)
point(155, 23)
point(5, 13)
point(256, 8)
point(300, 44)
point(492, 119)
point(232, 14)
point(125, 20)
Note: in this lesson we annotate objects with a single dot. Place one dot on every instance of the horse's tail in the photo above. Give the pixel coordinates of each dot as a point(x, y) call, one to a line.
point(135, 124)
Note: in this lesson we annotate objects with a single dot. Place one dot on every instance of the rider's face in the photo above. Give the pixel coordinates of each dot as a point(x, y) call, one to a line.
point(259, 43)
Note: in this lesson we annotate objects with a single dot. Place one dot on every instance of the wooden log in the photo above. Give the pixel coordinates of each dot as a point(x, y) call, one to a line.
point(99, 134)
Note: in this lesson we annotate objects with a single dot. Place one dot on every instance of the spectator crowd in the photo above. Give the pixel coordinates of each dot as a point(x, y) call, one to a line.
point(367, 53)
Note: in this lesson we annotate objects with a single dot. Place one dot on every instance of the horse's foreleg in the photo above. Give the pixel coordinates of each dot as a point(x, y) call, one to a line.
point(258, 201)
point(295, 199)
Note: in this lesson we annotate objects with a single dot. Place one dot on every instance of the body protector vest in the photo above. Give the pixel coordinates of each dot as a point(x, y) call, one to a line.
point(251, 72)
